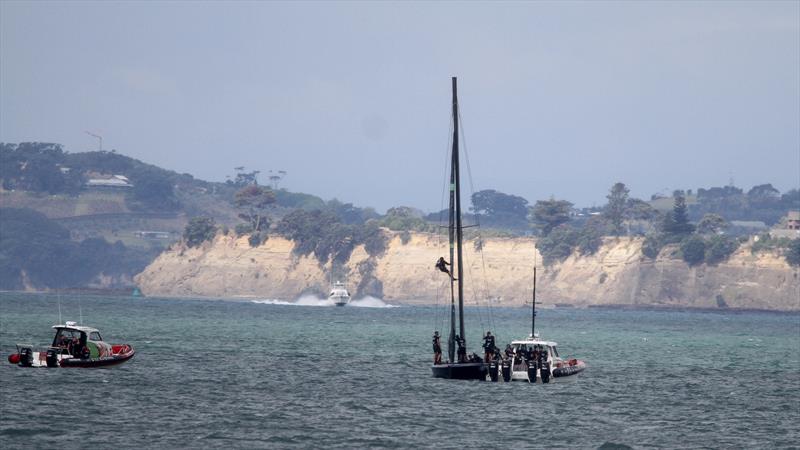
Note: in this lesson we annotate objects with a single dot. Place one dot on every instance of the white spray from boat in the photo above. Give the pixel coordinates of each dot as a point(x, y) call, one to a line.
point(311, 300)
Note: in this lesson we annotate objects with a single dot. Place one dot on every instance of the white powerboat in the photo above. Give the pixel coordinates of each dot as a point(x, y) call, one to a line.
point(536, 361)
point(339, 294)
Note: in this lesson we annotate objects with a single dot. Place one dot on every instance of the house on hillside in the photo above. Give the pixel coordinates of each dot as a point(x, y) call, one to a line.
point(788, 227)
point(108, 181)
point(152, 234)
point(746, 227)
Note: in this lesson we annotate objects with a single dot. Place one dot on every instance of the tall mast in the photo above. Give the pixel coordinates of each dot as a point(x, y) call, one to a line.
point(533, 307)
point(452, 227)
point(459, 230)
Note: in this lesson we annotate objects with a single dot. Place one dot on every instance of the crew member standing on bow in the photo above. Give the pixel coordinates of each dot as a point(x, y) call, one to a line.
point(488, 346)
point(462, 349)
point(437, 348)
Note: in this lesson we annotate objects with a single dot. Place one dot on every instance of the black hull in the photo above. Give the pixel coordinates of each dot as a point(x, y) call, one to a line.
point(465, 371)
point(567, 371)
point(96, 362)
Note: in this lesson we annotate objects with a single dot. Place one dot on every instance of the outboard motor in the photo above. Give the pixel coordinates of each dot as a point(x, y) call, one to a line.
point(52, 357)
point(545, 371)
point(532, 371)
point(506, 370)
point(26, 357)
point(494, 370)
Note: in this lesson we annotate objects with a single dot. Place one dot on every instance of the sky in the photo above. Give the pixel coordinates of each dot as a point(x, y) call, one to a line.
point(352, 99)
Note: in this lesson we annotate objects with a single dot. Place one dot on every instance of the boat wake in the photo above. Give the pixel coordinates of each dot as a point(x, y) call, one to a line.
point(305, 300)
point(310, 300)
point(370, 302)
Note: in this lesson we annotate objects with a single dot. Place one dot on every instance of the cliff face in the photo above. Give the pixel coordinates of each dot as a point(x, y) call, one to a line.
point(617, 274)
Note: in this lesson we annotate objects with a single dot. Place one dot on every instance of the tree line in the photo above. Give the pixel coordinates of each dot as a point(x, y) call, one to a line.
point(37, 252)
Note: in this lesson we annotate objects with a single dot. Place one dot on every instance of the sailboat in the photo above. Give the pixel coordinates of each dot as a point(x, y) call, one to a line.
point(457, 365)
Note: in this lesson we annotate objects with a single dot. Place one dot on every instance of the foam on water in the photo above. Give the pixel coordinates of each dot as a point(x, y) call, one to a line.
point(305, 300)
point(311, 300)
point(370, 302)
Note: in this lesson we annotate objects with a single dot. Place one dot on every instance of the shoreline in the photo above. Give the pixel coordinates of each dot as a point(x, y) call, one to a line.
point(117, 293)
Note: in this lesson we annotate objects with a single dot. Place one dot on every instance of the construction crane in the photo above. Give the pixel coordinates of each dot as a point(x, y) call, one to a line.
point(99, 138)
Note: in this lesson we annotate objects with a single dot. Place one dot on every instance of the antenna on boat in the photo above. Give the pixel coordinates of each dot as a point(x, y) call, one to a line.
point(59, 308)
point(80, 311)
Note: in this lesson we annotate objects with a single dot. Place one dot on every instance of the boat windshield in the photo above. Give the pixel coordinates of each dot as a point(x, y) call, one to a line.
point(65, 337)
point(95, 336)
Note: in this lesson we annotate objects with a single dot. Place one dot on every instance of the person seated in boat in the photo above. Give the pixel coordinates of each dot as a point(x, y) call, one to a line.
point(61, 341)
point(488, 346)
point(473, 358)
point(437, 348)
point(441, 264)
point(509, 351)
point(462, 349)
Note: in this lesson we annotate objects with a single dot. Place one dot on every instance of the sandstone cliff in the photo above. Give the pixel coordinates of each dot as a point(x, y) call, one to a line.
point(617, 274)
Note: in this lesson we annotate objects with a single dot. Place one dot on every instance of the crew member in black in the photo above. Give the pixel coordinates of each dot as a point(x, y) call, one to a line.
point(488, 346)
point(441, 264)
point(509, 351)
point(437, 348)
point(462, 349)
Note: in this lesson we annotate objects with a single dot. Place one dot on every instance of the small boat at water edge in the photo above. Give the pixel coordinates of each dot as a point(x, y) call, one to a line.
point(73, 346)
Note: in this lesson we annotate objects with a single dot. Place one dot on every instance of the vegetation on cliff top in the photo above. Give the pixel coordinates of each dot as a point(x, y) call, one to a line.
point(331, 229)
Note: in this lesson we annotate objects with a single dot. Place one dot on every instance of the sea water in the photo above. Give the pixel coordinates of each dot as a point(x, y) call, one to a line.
point(266, 373)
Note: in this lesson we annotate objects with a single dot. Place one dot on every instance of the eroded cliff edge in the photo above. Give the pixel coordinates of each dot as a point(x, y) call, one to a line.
point(617, 274)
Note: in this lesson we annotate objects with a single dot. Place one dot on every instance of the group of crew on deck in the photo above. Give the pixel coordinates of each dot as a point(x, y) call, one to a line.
point(491, 352)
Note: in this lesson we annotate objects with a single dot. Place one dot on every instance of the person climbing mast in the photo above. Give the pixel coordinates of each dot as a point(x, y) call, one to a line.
point(441, 264)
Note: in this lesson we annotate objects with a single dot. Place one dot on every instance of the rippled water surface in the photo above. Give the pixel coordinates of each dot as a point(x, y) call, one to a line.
point(266, 374)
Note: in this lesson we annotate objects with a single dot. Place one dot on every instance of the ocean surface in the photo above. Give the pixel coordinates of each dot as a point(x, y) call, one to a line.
point(272, 374)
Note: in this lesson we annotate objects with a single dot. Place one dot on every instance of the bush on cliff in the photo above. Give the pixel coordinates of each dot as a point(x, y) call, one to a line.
point(793, 253)
point(652, 245)
point(199, 230)
point(322, 233)
point(693, 250)
point(719, 248)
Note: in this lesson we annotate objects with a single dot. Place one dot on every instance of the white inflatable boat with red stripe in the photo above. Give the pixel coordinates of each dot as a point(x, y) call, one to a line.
point(73, 346)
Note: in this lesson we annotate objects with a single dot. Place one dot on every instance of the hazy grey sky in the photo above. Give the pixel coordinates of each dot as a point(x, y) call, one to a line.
point(352, 98)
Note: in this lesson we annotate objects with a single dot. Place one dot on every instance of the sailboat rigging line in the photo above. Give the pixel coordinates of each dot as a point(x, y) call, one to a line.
point(436, 322)
point(459, 232)
point(477, 223)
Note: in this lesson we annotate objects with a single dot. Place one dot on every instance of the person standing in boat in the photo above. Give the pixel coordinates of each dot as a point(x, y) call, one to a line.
point(488, 346)
point(441, 264)
point(437, 348)
point(462, 349)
